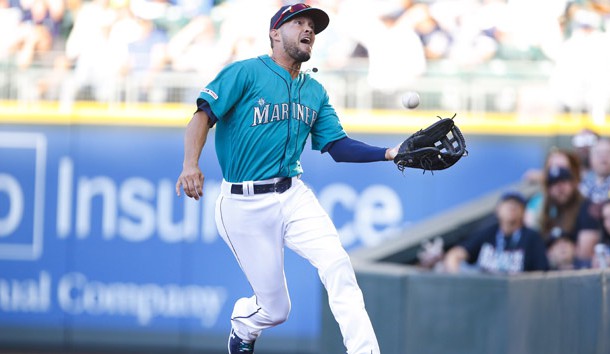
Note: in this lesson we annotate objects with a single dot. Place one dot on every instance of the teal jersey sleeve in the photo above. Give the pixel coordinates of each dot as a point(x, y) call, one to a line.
point(229, 85)
point(327, 127)
point(265, 117)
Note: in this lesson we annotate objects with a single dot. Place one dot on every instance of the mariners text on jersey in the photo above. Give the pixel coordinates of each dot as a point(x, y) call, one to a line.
point(263, 118)
point(268, 113)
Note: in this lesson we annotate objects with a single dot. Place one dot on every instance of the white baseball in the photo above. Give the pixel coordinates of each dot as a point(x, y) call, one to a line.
point(410, 99)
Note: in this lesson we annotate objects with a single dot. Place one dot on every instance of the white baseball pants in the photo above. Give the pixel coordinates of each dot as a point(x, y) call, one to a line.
point(256, 228)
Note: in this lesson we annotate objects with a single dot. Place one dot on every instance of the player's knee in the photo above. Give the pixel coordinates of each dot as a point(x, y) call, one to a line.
point(280, 314)
point(278, 319)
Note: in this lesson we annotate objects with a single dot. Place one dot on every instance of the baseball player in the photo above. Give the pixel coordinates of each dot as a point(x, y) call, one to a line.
point(264, 109)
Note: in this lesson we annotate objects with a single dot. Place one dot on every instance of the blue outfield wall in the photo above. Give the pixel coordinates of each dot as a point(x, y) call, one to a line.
point(94, 241)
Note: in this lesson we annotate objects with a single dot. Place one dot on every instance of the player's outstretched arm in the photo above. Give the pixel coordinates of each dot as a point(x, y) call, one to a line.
point(191, 178)
point(351, 150)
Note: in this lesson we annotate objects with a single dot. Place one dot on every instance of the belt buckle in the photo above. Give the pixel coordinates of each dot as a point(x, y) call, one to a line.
point(282, 186)
point(278, 187)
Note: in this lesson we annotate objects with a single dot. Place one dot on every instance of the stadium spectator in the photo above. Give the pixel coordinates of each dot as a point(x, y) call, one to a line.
point(575, 158)
point(596, 186)
point(170, 16)
point(567, 225)
point(472, 30)
point(90, 53)
point(579, 80)
point(38, 27)
point(435, 39)
point(107, 43)
point(582, 143)
point(194, 48)
point(508, 247)
point(395, 52)
point(10, 22)
point(133, 40)
point(555, 158)
point(240, 23)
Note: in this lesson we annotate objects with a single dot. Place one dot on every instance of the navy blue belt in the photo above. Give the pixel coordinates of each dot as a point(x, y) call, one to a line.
point(277, 187)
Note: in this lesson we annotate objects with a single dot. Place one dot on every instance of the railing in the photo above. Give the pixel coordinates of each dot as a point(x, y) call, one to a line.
point(520, 87)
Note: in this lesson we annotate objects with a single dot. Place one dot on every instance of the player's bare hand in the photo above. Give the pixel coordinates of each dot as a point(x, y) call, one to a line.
point(191, 180)
point(391, 153)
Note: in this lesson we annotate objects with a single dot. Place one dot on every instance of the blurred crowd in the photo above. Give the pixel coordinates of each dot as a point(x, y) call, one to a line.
point(564, 226)
point(104, 40)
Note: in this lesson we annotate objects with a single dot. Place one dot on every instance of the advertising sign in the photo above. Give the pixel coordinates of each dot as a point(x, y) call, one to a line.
point(93, 237)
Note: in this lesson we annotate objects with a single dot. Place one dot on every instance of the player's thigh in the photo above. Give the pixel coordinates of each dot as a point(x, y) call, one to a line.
point(252, 228)
point(311, 233)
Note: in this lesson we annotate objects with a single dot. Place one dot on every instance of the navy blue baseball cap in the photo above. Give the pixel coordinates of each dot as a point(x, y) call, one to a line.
point(558, 174)
point(513, 195)
point(285, 13)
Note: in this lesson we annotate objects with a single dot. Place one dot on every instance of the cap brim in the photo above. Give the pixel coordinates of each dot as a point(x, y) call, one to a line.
point(555, 180)
point(319, 17)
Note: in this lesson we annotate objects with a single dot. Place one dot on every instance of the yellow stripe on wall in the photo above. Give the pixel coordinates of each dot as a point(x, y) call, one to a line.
point(96, 114)
point(354, 121)
point(399, 121)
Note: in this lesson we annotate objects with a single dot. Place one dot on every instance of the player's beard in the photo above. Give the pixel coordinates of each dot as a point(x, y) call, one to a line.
point(296, 53)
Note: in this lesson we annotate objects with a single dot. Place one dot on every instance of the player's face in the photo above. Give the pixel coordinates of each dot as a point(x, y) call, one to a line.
point(298, 38)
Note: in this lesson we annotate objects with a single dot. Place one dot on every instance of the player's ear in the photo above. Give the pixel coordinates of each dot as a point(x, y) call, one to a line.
point(274, 36)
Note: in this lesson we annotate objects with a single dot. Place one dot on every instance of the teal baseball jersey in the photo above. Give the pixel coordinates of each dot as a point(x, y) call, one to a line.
point(265, 117)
